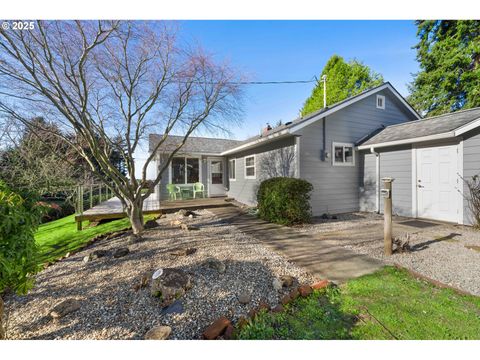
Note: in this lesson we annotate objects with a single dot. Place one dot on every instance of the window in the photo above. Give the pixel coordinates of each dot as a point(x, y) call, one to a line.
point(380, 102)
point(232, 169)
point(185, 170)
point(250, 167)
point(343, 154)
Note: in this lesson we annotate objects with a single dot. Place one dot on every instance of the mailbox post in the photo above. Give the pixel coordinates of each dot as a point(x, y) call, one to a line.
point(387, 214)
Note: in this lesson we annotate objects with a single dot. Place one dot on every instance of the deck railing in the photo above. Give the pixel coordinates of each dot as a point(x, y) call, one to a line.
point(89, 195)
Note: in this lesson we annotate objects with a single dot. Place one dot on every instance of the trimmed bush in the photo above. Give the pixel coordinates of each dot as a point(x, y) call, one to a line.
point(284, 200)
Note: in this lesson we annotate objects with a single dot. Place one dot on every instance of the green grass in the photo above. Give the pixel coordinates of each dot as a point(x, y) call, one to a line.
point(388, 304)
point(59, 237)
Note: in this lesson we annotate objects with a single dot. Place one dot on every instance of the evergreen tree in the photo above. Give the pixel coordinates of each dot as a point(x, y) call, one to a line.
point(449, 56)
point(344, 79)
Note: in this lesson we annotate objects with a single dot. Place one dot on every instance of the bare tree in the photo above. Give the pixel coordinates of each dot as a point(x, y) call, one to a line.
point(109, 79)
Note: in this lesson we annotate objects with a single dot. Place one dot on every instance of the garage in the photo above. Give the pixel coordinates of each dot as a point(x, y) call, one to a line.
point(430, 160)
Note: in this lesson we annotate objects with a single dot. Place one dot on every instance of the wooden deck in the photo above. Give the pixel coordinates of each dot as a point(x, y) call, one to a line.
point(112, 208)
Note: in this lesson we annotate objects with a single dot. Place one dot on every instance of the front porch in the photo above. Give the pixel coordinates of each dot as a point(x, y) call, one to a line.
point(113, 209)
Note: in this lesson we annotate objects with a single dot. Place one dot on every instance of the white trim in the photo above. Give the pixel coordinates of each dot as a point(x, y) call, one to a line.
point(460, 181)
point(297, 157)
point(470, 126)
point(245, 167)
point(354, 100)
point(414, 182)
point(344, 145)
point(235, 172)
point(446, 135)
point(383, 102)
point(209, 174)
point(266, 139)
point(185, 157)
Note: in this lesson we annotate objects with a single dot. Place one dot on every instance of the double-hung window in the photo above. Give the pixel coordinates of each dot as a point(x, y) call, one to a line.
point(343, 154)
point(185, 170)
point(250, 172)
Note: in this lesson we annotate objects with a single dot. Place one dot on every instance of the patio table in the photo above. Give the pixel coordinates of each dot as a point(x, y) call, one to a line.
point(186, 189)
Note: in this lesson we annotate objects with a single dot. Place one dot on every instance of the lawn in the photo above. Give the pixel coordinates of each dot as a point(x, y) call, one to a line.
point(389, 304)
point(59, 237)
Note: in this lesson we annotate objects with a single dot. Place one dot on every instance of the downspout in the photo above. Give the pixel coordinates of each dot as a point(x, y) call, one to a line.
point(377, 171)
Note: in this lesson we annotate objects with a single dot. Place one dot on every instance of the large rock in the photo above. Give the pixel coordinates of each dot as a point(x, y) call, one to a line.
point(151, 224)
point(287, 280)
point(215, 264)
point(99, 254)
point(158, 333)
point(216, 329)
point(170, 284)
point(244, 297)
point(277, 284)
point(304, 290)
point(64, 308)
point(120, 252)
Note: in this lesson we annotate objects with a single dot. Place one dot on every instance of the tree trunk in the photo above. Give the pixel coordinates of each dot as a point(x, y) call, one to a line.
point(135, 214)
point(2, 330)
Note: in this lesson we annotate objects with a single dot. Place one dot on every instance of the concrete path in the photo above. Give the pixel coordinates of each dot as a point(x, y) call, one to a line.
point(321, 257)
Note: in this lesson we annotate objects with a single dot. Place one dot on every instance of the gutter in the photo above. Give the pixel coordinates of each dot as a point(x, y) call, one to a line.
point(447, 135)
point(260, 141)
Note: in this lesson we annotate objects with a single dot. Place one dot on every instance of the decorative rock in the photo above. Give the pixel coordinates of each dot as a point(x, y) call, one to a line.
point(294, 294)
point(120, 252)
point(304, 290)
point(175, 223)
point(287, 280)
point(175, 308)
point(244, 298)
point(67, 254)
point(215, 264)
point(228, 334)
point(285, 300)
point(189, 227)
point(278, 309)
point(170, 285)
point(320, 285)
point(99, 253)
point(277, 284)
point(252, 314)
point(142, 283)
point(216, 329)
point(150, 224)
point(158, 333)
point(183, 252)
point(87, 258)
point(64, 308)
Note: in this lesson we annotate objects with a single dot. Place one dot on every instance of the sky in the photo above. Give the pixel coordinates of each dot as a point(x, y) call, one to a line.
point(298, 50)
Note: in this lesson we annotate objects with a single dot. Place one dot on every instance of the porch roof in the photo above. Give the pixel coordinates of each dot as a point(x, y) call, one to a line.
point(193, 144)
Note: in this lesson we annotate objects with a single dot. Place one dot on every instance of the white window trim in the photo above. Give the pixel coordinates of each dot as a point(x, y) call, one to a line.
point(334, 163)
point(383, 102)
point(254, 167)
point(235, 172)
point(170, 172)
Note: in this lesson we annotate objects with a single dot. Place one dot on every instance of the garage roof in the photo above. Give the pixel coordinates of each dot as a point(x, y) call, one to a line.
point(432, 128)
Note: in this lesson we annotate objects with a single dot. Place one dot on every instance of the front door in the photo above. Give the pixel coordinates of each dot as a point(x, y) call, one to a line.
point(437, 179)
point(216, 186)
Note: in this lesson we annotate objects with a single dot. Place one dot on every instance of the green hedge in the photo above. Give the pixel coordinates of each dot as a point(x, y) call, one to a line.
point(285, 200)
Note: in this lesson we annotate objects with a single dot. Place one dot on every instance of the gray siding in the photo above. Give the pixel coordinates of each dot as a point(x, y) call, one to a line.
point(336, 188)
point(471, 167)
point(245, 190)
point(368, 182)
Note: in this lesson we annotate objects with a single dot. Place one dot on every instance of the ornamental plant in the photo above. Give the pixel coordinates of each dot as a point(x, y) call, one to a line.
point(284, 200)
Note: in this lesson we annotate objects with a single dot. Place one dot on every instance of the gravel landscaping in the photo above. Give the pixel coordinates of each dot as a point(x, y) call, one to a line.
point(109, 296)
point(446, 253)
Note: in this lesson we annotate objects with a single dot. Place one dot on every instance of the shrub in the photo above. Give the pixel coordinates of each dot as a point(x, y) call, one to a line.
point(19, 218)
point(284, 200)
point(473, 198)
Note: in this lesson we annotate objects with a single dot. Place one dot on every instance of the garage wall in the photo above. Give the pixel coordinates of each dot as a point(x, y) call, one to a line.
point(395, 163)
point(471, 167)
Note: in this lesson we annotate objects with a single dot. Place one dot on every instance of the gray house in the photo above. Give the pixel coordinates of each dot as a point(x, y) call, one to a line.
point(344, 150)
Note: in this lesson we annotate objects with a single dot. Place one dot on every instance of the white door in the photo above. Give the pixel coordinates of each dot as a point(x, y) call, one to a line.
point(216, 187)
point(437, 178)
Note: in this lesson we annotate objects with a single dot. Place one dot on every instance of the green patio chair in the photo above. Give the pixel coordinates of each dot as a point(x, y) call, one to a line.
point(173, 190)
point(198, 188)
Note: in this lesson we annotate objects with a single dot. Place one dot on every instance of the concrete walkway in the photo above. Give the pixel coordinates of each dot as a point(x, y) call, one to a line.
point(321, 257)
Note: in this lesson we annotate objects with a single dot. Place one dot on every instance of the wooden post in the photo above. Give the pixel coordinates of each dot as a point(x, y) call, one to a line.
point(387, 214)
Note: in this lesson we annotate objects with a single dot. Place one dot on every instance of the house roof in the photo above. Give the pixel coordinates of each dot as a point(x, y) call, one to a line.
point(193, 144)
point(436, 127)
point(290, 127)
